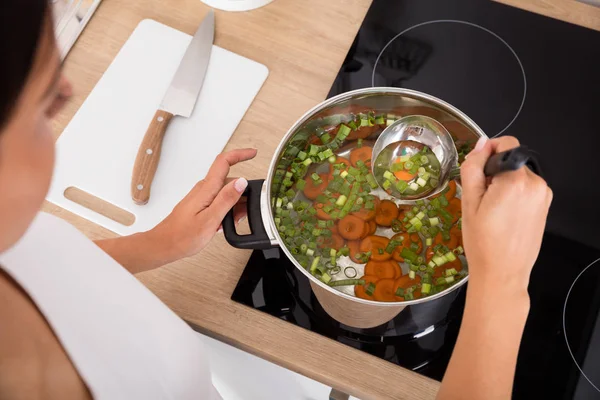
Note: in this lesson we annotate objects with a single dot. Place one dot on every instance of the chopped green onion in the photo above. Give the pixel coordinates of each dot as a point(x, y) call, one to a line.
point(420, 215)
point(409, 255)
point(450, 256)
point(359, 143)
point(424, 160)
point(379, 120)
point(386, 185)
point(421, 171)
point(342, 133)
point(310, 252)
point(307, 162)
point(434, 221)
point(428, 241)
point(332, 159)
point(314, 265)
point(439, 260)
point(325, 277)
point(341, 201)
point(401, 185)
point(449, 279)
point(389, 176)
point(408, 164)
point(426, 288)
point(451, 272)
point(347, 282)
point(400, 292)
point(414, 186)
point(431, 264)
point(421, 182)
point(300, 184)
point(370, 289)
point(412, 274)
point(344, 174)
point(459, 250)
point(350, 272)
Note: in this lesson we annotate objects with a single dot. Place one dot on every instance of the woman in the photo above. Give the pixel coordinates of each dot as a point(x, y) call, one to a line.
point(75, 325)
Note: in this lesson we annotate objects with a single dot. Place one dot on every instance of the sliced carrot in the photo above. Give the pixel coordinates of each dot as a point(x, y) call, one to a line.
point(452, 243)
point(351, 227)
point(451, 190)
point(314, 139)
point(360, 290)
point(363, 154)
point(441, 271)
point(367, 214)
point(455, 209)
point(404, 175)
point(376, 245)
point(334, 241)
point(405, 282)
point(386, 213)
point(382, 269)
point(457, 232)
point(339, 160)
point(384, 290)
point(366, 230)
point(312, 190)
point(407, 239)
point(354, 247)
point(321, 214)
point(372, 227)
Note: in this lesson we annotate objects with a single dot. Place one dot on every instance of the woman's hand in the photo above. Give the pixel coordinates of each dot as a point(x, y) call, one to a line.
point(503, 223)
point(503, 218)
point(191, 224)
point(196, 219)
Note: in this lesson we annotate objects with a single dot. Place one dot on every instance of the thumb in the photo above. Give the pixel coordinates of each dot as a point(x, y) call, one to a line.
point(227, 197)
point(473, 180)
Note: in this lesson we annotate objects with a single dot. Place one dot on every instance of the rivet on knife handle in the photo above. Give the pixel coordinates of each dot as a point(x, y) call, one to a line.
point(148, 156)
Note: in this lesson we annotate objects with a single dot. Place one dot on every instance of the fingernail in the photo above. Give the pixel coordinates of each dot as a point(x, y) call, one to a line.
point(241, 219)
point(240, 185)
point(220, 230)
point(480, 143)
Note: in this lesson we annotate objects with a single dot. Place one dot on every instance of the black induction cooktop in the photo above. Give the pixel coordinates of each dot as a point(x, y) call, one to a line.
point(514, 73)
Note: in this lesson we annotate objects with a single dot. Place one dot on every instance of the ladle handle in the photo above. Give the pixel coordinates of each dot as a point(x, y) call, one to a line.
point(512, 160)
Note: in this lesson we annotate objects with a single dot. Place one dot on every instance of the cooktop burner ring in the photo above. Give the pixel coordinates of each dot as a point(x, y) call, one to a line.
point(565, 325)
point(514, 53)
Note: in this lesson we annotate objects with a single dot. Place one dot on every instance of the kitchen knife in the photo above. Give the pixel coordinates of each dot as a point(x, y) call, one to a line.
point(179, 100)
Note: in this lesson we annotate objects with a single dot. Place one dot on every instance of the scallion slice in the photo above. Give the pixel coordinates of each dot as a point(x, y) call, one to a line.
point(350, 272)
point(347, 282)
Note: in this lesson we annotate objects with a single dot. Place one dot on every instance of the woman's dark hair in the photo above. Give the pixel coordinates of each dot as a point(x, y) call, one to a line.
point(21, 24)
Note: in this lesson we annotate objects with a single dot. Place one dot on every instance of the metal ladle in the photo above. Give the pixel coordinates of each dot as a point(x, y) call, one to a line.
point(431, 133)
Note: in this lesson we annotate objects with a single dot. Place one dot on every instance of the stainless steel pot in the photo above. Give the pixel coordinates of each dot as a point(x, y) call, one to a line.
point(345, 308)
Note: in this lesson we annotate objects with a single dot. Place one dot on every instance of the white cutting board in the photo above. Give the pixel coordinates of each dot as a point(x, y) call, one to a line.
point(96, 151)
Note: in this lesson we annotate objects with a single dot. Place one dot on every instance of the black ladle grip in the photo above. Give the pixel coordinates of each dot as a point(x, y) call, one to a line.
point(512, 160)
point(258, 238)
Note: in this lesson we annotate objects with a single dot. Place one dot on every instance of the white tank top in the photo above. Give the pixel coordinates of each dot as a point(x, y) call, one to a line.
point(124, 342)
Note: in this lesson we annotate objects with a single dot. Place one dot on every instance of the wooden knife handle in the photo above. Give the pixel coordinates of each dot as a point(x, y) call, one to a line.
point(148, 156)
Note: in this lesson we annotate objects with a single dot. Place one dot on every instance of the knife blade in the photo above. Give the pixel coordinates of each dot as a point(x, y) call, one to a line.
point(179, 100)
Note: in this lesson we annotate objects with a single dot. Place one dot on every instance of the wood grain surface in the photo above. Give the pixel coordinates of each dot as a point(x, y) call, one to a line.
point(565, 10)
point(303, 43)
point(148, 157)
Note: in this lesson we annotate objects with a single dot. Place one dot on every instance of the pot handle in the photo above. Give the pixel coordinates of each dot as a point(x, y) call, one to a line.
point(512, 160)
point(258, 239)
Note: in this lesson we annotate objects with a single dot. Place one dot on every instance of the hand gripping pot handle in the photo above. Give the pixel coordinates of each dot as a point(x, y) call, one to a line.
point(258, 238)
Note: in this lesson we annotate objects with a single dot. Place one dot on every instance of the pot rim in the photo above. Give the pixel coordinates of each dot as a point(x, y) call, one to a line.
point(462, 117)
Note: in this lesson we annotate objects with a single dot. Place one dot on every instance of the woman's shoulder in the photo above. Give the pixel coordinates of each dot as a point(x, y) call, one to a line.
point(32, 357)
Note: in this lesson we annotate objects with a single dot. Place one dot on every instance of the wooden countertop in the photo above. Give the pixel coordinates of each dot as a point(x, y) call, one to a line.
point(571, 11)
point(303, 43)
